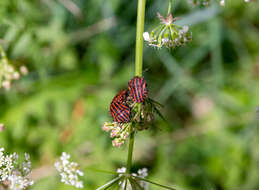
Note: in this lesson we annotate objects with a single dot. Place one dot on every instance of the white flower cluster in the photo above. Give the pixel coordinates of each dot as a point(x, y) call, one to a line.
point(177, 37)
point(168, 34)
point(69, 171)
point(143, 173)
point(7, 71)
point(118, 131)
point(12, 174)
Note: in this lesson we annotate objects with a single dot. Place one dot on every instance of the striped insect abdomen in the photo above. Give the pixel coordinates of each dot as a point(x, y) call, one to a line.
point(119, 110)
point(138, 89)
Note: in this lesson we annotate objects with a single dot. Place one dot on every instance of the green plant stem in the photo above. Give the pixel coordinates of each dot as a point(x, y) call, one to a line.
point(138, 68)
point(130, 151)
point(169, 7)
point(139, 37)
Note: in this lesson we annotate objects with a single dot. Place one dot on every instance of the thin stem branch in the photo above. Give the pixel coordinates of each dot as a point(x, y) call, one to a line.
point(126, 184)
point(139, 37)
point(154, 183)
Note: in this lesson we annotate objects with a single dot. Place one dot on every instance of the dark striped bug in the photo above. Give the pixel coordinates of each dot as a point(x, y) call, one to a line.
point(119, 110)
point(121, 96)
point(138, 89)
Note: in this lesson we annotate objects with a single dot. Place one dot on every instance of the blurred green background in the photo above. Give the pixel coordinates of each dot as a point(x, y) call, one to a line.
point(80, 53)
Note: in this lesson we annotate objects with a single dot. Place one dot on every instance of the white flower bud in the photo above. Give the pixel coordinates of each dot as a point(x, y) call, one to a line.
point(146, 36)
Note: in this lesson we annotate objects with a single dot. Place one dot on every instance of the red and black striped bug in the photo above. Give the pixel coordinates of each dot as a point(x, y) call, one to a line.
point(138, 89)
point(121, 96)
point(119, 110)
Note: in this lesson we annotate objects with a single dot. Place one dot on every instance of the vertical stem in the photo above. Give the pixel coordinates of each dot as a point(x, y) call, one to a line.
point(138, 68)
point(169, 7)
point(139, 37)
point(130, 151)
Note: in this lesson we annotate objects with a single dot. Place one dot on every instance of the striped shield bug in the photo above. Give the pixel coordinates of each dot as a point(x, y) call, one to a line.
point(119, 110)
point(138, 89)
point(121, 96)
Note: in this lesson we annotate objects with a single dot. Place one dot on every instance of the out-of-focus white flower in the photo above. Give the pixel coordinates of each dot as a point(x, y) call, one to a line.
point(222, 2)
point(121, 171)
point(17, 182)
point(143, 173)
point(14, 174)
point(69, 171)
point(24, 70)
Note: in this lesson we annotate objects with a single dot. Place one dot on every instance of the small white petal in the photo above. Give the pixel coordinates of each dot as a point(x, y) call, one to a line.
point(146, 36)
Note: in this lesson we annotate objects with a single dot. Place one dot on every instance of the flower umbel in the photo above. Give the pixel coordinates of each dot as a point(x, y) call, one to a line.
point(14, 175)
point(118, 131)
point(69, 171)
point(168, 34)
